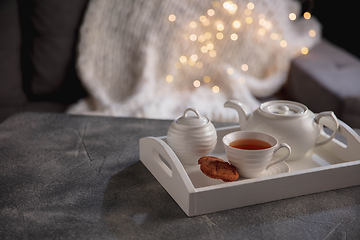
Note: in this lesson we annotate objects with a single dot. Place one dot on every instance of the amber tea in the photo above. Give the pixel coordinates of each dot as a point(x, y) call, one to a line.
point(250, 144)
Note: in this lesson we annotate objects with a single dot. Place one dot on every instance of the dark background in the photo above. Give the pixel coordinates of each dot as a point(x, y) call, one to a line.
point(340, 21)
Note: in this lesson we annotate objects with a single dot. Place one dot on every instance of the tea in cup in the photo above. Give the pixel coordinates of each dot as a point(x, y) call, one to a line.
point(251, 152)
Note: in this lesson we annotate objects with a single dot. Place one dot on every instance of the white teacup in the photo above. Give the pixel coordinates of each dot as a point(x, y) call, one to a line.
point(251, 163)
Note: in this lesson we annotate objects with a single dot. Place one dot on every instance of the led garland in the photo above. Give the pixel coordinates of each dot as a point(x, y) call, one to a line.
point(209, 47)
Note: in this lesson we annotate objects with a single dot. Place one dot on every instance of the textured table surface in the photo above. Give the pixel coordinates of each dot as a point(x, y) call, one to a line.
point(79, 177)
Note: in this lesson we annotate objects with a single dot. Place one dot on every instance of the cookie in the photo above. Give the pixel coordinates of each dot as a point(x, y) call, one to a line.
point(217, 168)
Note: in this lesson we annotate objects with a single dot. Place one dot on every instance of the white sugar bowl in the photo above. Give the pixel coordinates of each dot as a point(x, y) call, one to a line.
point(191, 137)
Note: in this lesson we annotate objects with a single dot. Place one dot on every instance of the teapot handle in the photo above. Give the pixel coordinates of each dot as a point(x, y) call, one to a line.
point(198, 116)
point(327, 114)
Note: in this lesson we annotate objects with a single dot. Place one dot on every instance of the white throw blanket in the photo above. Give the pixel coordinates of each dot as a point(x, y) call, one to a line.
point(155, 58)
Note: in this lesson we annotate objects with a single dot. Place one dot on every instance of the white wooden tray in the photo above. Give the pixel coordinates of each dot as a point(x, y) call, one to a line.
point(331, 166)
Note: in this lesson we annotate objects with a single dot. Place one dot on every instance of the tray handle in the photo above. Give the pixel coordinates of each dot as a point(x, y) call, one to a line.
point(348, 152)
point(163, 163)
point(171, 175)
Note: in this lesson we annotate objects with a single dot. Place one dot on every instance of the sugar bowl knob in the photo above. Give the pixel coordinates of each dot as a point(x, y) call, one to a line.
point(191, 136)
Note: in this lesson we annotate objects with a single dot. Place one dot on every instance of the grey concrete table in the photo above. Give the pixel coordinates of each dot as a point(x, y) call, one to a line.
point(79, 177)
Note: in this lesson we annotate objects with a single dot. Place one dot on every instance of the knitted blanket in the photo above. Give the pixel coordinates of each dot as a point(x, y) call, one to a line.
point(155, 58)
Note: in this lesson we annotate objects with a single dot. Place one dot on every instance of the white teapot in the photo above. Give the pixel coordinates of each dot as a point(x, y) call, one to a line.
point(289, 122)
point(191, 137)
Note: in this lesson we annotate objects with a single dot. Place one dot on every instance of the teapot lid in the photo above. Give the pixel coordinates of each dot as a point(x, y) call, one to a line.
point(283, 108)
point(192, 121)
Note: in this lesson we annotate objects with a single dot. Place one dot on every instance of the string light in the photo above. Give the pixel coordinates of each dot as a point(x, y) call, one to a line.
point(183, 59)
point(312, 33)
point(230, 71)
point(233, 9)
point(215, 4)
point(207, 79)
point(292, 16)
point(283, 43)
point(249, 20)
point(304, 50)
point(262, 22)
point(191, 63)
point(230, 6)
point(211, 12)
point(196, 83)
point(201, 38)
point(264, 27)
point(204, 49)
point(199, 65)
point(268, 25)
point(193, 24)
point(234, 36)
point(172, 18)
point(202, 18)
point(261, 31)
point(273, 36)
point(244, 67)
point(248, 12)
point(207, 35)
point(194, 57)
point(307, 15)
point(220, 27)
point(210, 46)
point(219, 35)
point(193, 37)
point(215, 89)
point(226, 5)
point(212, 53)
point(169, 78)
point(250, 6)
point(206, 23)
point(236, 24)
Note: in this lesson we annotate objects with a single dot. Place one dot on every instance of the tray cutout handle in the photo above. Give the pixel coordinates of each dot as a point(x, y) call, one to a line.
point(330, 128)
point(340, 139)
point(163, 163)
point(327, 115)
point(165, 166)
point(348, 151)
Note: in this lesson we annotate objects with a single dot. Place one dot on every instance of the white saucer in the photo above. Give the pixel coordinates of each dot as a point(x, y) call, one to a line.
point(275, 169)
point(281, 167)
point(199, 179)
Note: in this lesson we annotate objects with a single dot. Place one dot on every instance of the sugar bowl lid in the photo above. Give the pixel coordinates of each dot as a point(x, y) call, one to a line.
point(191, 121)
point(283, 108)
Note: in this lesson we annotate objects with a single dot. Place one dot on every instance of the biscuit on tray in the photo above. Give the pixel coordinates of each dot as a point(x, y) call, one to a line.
point(217, 168)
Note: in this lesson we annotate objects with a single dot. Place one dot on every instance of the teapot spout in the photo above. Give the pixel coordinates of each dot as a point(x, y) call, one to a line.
point(242, 110)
